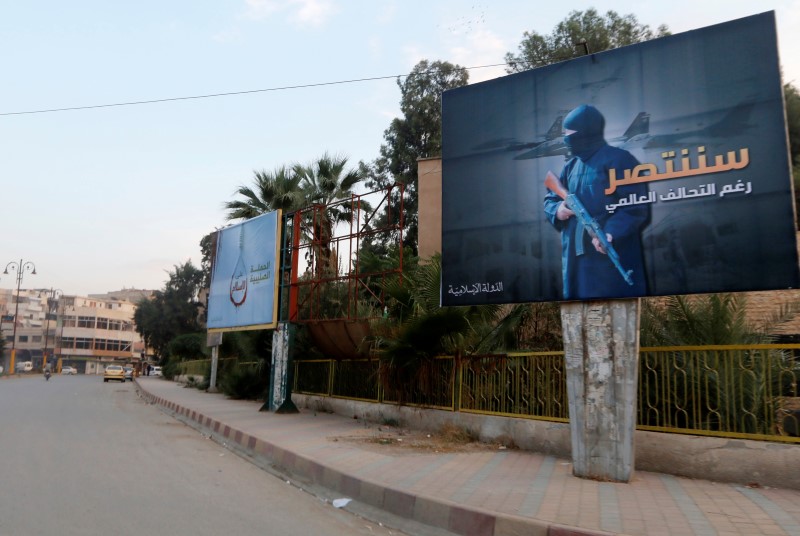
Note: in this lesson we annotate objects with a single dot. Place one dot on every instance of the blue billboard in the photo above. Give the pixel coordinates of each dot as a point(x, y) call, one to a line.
point(655, 169)
point(243, 277)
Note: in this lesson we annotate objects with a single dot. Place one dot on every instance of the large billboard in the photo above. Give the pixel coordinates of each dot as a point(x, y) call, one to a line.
point(243, 278)
point(655, 169)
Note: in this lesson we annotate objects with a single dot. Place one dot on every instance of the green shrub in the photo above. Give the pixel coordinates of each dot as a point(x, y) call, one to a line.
point(170, 367)
point(189, 346)
point(246, 383)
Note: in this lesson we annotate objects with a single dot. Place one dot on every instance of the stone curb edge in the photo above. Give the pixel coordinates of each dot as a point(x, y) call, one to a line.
point(429, 511)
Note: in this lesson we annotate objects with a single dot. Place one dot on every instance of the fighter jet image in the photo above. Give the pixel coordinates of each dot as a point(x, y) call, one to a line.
point(637, 131)
point(513, 144)
point(702, 128)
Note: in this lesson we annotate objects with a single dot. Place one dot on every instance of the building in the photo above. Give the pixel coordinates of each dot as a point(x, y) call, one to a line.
point(29, 321)
point(85, 332)
point(93, 332)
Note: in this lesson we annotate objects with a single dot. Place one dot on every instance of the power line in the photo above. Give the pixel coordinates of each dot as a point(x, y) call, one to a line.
point(226, 94)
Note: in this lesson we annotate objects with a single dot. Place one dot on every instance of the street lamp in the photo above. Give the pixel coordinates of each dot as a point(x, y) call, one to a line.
point(53, 297)
point(20, 268)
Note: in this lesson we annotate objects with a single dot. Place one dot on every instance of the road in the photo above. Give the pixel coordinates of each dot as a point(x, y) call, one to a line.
point(83, 457)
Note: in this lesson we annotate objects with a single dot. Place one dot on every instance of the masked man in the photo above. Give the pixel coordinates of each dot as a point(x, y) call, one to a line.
point(587, 271)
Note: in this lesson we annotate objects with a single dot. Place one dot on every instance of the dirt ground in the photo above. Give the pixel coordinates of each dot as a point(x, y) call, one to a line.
point(400, 441)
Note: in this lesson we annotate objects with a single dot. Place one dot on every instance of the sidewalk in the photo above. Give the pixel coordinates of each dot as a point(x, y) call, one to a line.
point(492, 493)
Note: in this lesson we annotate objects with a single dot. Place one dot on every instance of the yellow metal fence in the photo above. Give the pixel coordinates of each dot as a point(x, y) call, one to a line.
point(733, 391)
point(729, 391)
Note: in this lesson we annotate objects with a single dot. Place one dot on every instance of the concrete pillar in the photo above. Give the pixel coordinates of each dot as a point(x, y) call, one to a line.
point(601, 345)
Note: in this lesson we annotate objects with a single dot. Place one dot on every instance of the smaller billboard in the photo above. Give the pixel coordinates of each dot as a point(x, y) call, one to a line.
point(243, 278)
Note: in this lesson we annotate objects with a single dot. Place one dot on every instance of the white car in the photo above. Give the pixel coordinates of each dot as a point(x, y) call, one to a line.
point(69, 370)
point(155, 371)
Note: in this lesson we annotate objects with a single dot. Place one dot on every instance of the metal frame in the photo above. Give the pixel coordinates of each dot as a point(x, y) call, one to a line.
point(306, 240)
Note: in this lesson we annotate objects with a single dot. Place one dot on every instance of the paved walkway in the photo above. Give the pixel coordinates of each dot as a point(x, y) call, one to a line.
point(492, 493)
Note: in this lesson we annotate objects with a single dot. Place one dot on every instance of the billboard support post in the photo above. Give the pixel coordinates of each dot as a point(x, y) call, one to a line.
point(280, 392)
point(212, 382)
point(601, 350)
point(214, 340)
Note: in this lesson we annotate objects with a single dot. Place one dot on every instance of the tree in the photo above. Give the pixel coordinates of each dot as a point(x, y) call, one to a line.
point(417, 134)
point(747, 378)
point(416, 330)
point(325, 182)
point(697, 320)
point(280, 189)
point(598, 32)
point(208, 245)
point(171, 311)
point(289, 188)
point(792, 99)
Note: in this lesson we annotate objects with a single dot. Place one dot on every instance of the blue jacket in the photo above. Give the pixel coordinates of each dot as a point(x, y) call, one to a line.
point(586, 273)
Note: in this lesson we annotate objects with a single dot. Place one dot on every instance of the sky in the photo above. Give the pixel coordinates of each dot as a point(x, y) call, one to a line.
point(111, 197)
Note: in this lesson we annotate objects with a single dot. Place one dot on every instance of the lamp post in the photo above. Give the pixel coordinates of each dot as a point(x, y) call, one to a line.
point(53, 297)
point(20, 268)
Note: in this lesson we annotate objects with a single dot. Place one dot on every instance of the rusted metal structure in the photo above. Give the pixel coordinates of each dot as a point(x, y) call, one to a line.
point(325, 282)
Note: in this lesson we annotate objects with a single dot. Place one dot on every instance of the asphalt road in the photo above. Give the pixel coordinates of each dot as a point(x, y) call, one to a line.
point(83, 457)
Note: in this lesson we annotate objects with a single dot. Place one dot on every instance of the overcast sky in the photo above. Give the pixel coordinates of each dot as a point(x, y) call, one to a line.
point(108, 198)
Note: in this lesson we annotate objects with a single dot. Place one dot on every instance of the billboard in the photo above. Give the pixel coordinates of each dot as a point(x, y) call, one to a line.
point(243, 278)
point(655, 169)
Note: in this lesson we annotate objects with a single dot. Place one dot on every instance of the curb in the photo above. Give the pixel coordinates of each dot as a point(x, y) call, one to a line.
point(438, 513)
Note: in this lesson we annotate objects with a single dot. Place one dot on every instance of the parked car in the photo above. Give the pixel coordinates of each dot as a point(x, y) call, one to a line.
point(128, 373)
point(155, 371)
point(114, 372)
point(69, 370)
point(24, 366)
point(1, 369)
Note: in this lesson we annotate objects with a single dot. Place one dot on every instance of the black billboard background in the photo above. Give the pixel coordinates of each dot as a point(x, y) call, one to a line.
point(717, 88)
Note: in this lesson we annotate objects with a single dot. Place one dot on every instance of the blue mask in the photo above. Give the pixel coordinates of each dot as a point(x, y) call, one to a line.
point(588, 125)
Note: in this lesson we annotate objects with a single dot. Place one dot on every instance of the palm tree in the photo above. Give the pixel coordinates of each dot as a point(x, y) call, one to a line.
point(743, 386)
point(416, 330)
point(697, 320)
point(278, 190)
point(327, 185)
point(324, 183)
point(321, 192)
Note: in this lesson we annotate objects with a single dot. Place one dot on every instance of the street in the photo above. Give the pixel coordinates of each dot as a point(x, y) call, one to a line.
point(83, 457)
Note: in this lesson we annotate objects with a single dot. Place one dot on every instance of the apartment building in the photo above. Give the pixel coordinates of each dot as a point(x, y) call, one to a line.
point(30, 323)
point(85, 332)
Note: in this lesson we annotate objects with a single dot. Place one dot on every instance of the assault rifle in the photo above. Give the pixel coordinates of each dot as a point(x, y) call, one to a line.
point(574, 204)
